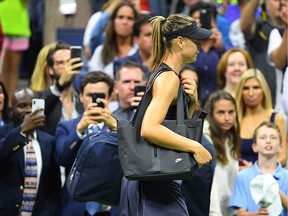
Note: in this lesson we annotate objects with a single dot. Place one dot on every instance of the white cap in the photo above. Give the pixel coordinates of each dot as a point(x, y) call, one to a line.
point(265, 192)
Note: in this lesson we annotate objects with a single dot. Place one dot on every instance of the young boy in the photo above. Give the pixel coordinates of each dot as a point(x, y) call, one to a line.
point(267, 143)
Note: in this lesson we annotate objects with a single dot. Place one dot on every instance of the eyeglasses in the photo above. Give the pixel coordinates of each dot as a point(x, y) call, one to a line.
point(197, 43)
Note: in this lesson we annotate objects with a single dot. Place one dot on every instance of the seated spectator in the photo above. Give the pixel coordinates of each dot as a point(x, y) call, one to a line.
point(267, 145)
point(119, 39)
point(221, 128)
point(42, 77)
point(254, 105)
point(232, 65)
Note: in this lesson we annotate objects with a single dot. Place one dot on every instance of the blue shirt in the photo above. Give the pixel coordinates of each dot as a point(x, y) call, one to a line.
point(241, 197)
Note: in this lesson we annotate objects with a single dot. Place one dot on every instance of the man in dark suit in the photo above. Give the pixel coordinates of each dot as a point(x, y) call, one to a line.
point(13, 157)
point(69, 134)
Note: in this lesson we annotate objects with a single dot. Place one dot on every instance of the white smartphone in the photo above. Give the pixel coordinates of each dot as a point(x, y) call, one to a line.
point(38, 104)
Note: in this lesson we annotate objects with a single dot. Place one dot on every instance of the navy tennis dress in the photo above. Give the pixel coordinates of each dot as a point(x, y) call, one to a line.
point(153, 198)
point(246, 145)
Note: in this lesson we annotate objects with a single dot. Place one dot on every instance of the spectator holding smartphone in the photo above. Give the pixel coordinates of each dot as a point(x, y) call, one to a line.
point(212, 49)
point(129, 75)
point(62, 100)
point(69, 135)
point(31, 183)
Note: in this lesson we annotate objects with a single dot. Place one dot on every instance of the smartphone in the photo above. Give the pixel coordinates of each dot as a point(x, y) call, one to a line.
point(76, 52)
point(139, 88)
point(38, 104)
point(95, 98)
point(205, 18)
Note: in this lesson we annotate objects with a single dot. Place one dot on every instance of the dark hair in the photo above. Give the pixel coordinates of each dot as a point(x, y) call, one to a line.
point(6, 115)
point(233, 133)
point(269, 125)
point(129, 64)
point(211, 8)
point(141, 20)
point(96, 77)
point(192, 68)
point(110, 48)
point(60, 45)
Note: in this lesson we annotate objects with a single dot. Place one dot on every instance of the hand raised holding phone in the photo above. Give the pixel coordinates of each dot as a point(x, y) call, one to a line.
point(95, 98)
point(36, 118)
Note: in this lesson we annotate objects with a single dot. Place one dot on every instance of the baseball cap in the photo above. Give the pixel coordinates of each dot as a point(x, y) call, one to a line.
point(265, 192)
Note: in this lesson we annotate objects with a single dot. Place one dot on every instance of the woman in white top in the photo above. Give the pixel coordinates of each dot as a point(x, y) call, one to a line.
point(221, 128)
point(119, 39)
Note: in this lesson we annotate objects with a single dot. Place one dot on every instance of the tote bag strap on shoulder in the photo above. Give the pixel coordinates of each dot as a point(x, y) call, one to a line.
point(146, 99)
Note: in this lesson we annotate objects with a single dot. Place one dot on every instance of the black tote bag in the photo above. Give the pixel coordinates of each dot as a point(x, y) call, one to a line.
point(142, 160)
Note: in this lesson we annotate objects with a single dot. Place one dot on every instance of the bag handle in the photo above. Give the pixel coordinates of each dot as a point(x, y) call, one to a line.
point(146, 99)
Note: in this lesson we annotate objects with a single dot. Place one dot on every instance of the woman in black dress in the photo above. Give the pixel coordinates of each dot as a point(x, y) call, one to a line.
point(175, 43)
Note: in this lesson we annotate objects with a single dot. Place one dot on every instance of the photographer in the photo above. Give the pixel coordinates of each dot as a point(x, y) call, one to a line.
point(70, 134)
point(208, 58)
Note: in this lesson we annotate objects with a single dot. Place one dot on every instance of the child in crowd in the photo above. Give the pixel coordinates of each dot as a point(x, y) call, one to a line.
point(267, 144)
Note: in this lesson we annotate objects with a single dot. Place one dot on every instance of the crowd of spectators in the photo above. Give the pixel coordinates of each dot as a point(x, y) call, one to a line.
point(241, 73)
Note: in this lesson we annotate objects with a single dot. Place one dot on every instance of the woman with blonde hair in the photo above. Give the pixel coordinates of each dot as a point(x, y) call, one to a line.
point(41, 78)
point(254, 105)
point(231, 66)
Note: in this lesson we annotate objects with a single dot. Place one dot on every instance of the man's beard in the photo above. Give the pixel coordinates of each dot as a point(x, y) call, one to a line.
point(56, 76)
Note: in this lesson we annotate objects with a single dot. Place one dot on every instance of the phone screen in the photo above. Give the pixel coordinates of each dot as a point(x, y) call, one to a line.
point(95, 98)
point(205, 19)
point(139, 88)
point(76, 53)
point(38, 104)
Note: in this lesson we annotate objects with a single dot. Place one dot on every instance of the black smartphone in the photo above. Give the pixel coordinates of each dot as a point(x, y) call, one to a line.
point(95, 98)
point(76, 52)
point(139, 88)
point(205, 18)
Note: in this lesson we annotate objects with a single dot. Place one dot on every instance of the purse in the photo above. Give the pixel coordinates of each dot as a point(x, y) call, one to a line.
point(142, 160)
point(96, 173)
